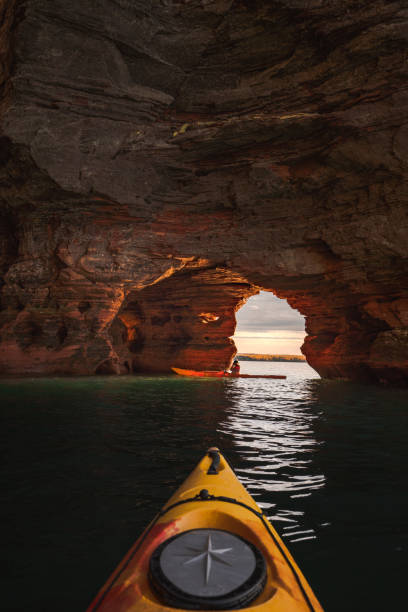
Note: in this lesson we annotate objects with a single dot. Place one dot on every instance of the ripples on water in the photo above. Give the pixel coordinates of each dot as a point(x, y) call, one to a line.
point(87, 463)
point(273, 433)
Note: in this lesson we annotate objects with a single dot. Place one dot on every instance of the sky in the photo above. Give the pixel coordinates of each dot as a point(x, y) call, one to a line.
point(268, 325)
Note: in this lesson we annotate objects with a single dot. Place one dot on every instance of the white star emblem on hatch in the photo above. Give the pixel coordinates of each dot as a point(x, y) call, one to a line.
point(208, 554)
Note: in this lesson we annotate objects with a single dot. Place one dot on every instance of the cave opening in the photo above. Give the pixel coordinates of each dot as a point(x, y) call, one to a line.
point(268, 325)
point(198, 319)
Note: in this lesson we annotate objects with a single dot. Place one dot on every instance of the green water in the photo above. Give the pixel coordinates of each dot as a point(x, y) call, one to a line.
point(86, 463)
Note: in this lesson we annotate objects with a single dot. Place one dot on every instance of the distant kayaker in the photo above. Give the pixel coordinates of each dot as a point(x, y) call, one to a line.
point(235, 368)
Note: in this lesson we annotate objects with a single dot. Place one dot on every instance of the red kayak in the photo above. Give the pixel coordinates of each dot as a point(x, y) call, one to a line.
point(222, 374)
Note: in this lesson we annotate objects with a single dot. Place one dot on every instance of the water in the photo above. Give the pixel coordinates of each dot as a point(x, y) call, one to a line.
point(87, 463)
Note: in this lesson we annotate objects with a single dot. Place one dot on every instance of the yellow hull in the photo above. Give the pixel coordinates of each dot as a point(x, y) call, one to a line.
point(208, 501)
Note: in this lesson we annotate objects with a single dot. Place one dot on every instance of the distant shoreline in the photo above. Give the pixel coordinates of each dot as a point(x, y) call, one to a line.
point(259, 357)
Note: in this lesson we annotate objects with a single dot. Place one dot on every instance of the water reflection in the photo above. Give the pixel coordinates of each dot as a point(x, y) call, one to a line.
point(274, 436)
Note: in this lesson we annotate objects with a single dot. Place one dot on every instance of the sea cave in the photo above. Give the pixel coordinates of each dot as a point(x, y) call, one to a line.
point(160, 163)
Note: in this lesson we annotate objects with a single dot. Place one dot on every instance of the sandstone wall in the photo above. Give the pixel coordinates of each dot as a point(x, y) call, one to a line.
point(169, 159)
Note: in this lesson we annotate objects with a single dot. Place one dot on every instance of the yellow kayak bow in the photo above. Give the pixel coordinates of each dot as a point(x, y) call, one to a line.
point(210, 548)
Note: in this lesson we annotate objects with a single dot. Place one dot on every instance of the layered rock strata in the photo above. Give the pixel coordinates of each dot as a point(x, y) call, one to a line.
point(161, 162)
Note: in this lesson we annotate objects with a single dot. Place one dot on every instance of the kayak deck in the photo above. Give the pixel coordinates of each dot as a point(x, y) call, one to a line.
point(211, 502)
point(222, 374)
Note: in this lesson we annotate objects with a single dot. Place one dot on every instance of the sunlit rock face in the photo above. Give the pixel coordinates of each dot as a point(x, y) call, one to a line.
point(162, 161)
